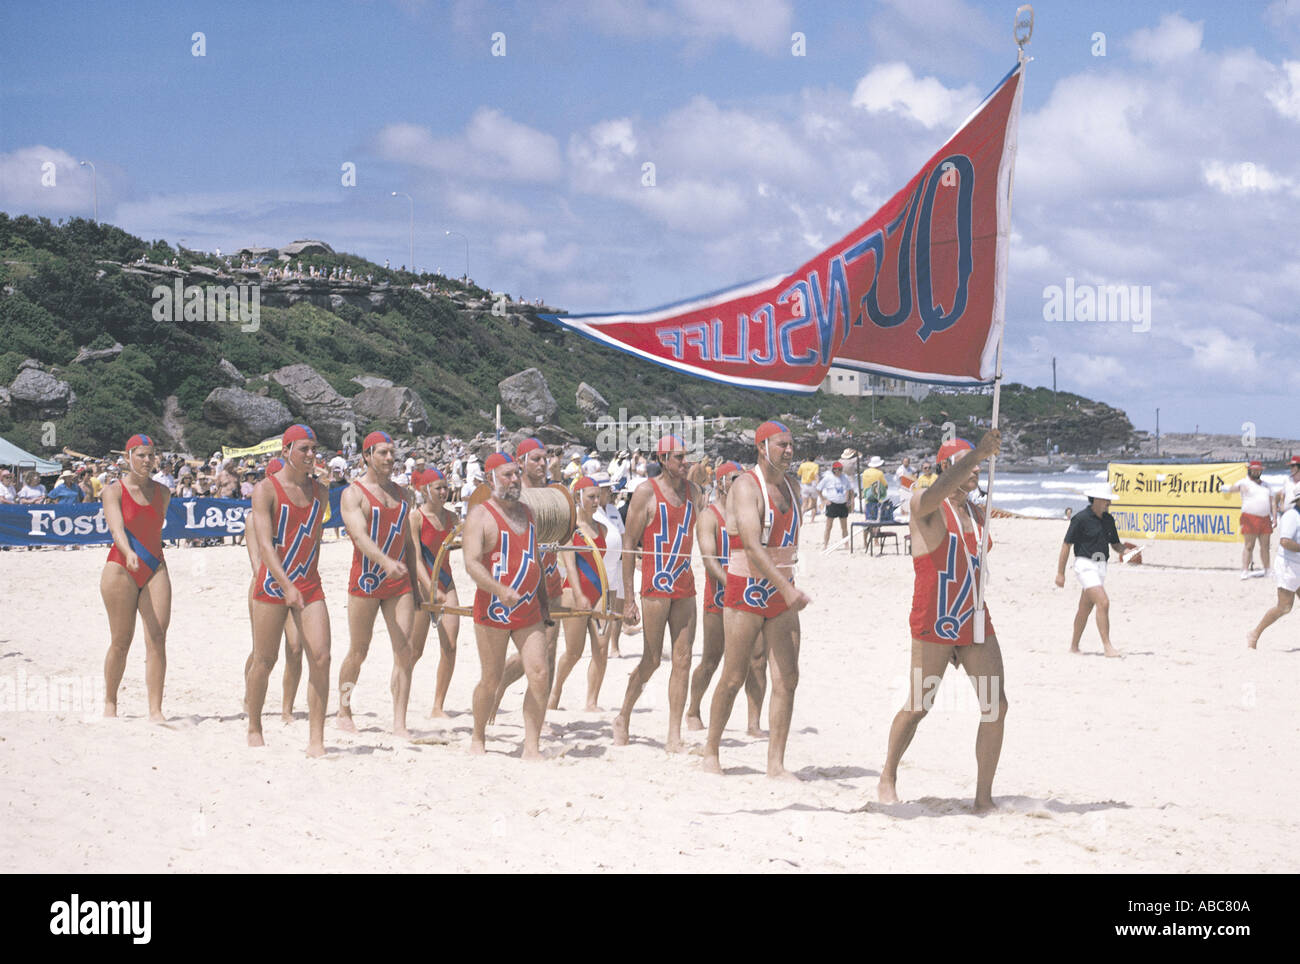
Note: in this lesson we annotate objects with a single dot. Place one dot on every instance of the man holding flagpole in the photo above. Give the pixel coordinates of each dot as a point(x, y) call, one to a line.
point(946, 531)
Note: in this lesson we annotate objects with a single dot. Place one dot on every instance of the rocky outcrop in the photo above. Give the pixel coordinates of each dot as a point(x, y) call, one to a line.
point(102, 354)
point(315, 402)
point(528, 396)
point(554, 435)
point(590, 402)
point(395, 405)
point(372, 381)
point(249, 418)
point(5, 401)
point(38, 394)
point(299, 249)
point(231, 373)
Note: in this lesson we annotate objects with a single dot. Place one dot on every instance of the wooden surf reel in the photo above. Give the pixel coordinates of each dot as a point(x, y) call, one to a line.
point(555, 517)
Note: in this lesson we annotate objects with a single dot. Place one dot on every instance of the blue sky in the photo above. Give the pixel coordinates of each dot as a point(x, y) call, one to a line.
point(1169, 162)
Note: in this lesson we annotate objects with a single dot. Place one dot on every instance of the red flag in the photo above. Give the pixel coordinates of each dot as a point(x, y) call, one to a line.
point(915, 292)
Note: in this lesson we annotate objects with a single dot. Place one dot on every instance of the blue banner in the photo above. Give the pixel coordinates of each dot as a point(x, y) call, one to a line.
point(84, 525)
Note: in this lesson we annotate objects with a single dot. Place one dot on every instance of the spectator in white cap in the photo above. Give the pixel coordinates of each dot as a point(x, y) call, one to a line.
point(1091, 536)
point(592, 464)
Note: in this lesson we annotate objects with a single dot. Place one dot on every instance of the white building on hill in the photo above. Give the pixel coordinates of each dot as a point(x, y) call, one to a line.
point(845, 381)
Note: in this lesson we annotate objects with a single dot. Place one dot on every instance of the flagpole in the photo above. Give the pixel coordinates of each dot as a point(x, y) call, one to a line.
point(981, 582)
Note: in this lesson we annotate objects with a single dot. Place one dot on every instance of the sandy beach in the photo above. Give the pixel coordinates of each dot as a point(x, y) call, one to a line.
point(1178, 758)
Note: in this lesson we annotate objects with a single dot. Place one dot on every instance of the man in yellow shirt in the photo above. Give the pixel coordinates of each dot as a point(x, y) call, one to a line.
point(926, 478)
point(875, 488)
point(808, 474)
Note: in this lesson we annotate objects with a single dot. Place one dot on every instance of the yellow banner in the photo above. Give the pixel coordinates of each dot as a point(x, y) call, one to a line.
point(268, 446)
point(1176, 501)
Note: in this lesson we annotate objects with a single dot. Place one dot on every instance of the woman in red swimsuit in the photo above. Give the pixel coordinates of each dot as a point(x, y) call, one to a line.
point(135, 578)
point(431, 525)
point(582, 589)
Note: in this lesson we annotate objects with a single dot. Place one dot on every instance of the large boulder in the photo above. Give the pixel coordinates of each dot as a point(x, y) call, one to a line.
point(590, 402)
point(38, 394)
point(554, 435)
point(249, 418)
point(527, 395)
point(372, 381)
point(315, 401)
point(5, 401)
point(393, 404)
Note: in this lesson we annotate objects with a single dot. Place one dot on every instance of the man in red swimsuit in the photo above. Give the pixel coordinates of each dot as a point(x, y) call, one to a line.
point(290, 508)
point(374, 511)
point(499, 545)
point(661, 525)
point(945, 530)
point(761, 604)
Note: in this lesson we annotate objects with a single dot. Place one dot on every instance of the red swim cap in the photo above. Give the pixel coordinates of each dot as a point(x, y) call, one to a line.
point(529, 445)
point(767, 430)
point(376, 438)
point(135, 441)
point(670, 443)
point(1256, 464)
point(586, 482)
point(953, 447)
point(275, 465)
point(496, 460)
point(295, 432)
point(726, 468)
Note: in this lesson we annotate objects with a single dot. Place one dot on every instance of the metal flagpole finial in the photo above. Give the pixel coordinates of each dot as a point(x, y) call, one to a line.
point(1024, 27)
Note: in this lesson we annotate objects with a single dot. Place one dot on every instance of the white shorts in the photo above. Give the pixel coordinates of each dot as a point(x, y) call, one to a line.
point(1286, 574)
point(1090, 572)
point(808, 491)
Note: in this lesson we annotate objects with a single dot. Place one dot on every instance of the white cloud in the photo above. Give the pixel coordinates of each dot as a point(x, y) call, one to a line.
point(893, 87)
point(492, 146)
point(1243, 177)
point(1219, 352)
point(28, 184)
point(762, 25)
point(1172, 39)
point(536, 251)
point(1285, 93)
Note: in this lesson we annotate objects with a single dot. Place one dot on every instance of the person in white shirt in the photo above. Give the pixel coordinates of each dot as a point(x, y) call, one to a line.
point(1290, 487)
point(32, 491)
point(1258, 517)
point(609, 516)
point(7, 494)
point(572, 470)
point(1286, 571)
point(618, 467)
point(836, 488)
point(592, 465)
point(904, 469)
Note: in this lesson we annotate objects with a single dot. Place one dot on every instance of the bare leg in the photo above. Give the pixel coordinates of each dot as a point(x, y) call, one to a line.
point(1247, 550)
point(121, 597)
point(1101, 604)
point(596, 669)
point(292, 668)
point(155, 606)
point(268, 626)
point(1285, 600)
point(983, 664)
point(1264, 557)
point(741, 629)
point(615, 628)
point(782, 636)
point(709, 662)
point(681, 623)
point(1081, 619)
point(532, 650)
point(654, 620)
point(313, 624)
point(575, 637)
point(492, 659)
point(399, 613)
point(756, 687)
point(514, 670)
point(361, 626)
point(929, 661)
point(448, 633)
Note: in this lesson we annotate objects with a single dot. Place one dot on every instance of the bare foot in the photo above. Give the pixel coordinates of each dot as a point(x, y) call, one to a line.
point(315, 749)
point(156, 716)
point(756, 731)
point(984, 806)
point(781, 773)
point(615, 654)
point(886, 792)
point(553, 705)
point(1252, 638)
point(255, 739)
point(438, 713)
point(592, 708)
point(694, 722)
point(710, 764)
point(477, 747)
point(344, 722)
point(675, 744)
point(1111, 652)
point(620, 731)
point(402, 733)
point(532, 754)
point(1075, 650)
point(286, 716)
point(110, 710)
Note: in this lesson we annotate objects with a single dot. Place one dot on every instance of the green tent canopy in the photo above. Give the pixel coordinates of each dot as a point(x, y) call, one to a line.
point(17, 458)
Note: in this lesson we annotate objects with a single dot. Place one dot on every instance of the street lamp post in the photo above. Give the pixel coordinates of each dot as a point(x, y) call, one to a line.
point(411, 260)
point(94, 181)
point(457, 234)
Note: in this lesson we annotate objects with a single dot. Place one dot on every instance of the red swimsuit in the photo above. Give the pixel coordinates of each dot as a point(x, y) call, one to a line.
point(666, 547)
point(388, 530)
point(143, 525)
point(297, 542)
point(431, 540)
point(515, 563)
point(944, 598)
point(713, 592)
point(588, 574)
point(753, 594)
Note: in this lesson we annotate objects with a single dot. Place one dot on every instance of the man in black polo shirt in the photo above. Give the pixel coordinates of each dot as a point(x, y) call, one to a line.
point(1092, 534)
